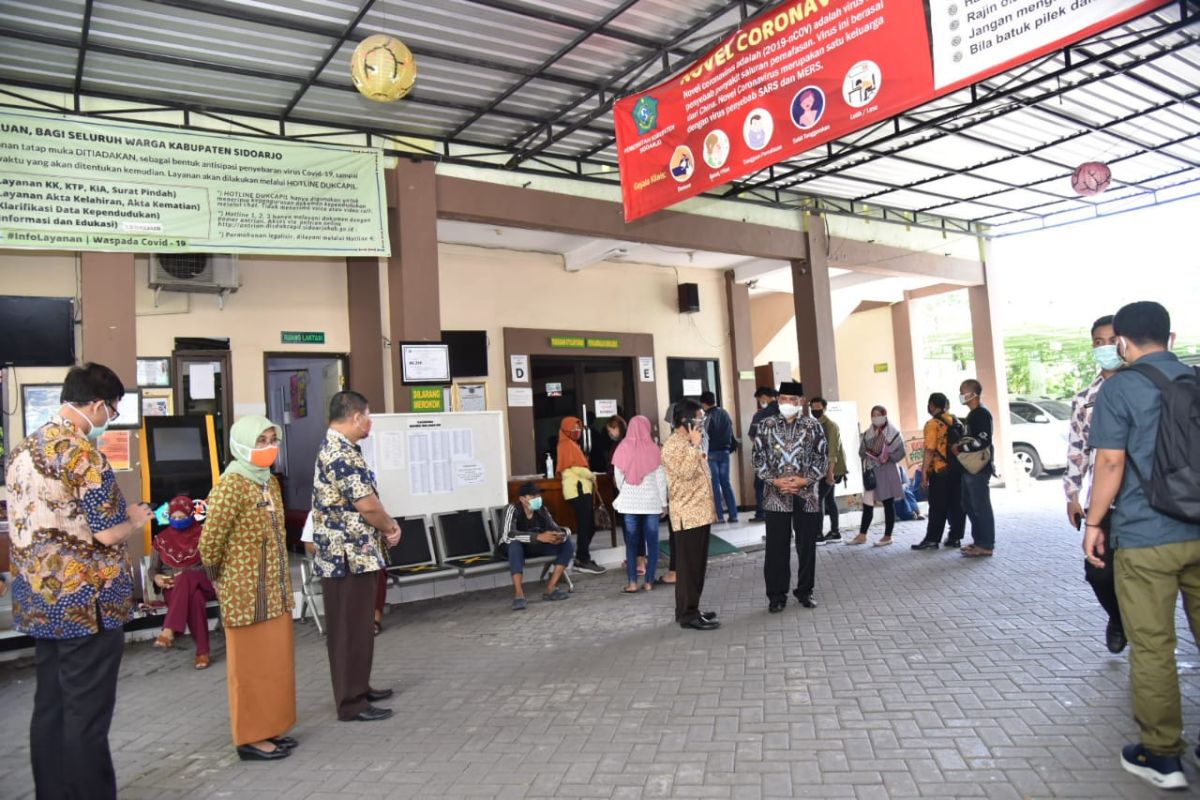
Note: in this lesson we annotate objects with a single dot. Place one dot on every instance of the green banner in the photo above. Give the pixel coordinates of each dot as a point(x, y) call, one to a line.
point(568, 342)
point(428, 398)
point(74, 183)
point(604, 344)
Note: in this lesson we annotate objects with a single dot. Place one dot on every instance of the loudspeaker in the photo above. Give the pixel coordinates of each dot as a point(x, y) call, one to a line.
point(689, 298)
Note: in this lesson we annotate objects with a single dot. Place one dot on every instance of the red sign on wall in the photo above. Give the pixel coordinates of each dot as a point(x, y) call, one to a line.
point(811, 71)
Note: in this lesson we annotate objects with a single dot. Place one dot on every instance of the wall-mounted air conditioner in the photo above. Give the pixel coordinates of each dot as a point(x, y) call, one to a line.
point(204, 273)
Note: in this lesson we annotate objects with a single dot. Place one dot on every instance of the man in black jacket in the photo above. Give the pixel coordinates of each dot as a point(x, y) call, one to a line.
point(529, 530)
point(767, 408)
point(976, 494)
point(720, 445)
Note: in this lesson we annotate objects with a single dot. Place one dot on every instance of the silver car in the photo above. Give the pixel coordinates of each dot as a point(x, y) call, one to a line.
point(1039, 433)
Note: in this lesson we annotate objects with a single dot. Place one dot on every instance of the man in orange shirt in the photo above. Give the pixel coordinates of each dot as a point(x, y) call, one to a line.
point(941, 477)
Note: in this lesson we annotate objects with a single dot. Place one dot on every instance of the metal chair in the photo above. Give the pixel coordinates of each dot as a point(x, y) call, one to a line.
point(309, 592)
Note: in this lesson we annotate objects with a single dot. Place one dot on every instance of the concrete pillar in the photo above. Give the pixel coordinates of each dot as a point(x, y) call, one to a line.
point(743, 406)
point(911, 410)
point(413, 296)
point(814, 313)
point(366, 330)
point(990, 368)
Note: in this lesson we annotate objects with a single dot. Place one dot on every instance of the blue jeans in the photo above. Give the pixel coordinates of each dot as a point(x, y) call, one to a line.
point(641, 529)
point(718, 467)
point(517, 551)
point(977, 502)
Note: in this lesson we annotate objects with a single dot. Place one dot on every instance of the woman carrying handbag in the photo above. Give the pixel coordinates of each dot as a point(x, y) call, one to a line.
point(882, 451)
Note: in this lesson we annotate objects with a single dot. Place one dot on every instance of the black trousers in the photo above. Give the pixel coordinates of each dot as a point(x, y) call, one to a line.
point(777, 567)
point(829, 505)
point(672, 559)
point(585, 525)
point(350, 639)
point(1103, 579)
point(945, 505)
point(889, 517)
point(692, 563)
point(72, 711)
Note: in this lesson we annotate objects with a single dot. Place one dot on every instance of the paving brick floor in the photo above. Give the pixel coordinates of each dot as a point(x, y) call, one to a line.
point(920, 675)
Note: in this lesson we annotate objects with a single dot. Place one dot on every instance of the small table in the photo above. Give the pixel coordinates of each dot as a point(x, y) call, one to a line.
point(556, 504)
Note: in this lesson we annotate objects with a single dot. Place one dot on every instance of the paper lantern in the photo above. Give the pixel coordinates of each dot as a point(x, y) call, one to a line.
point(383, 68)
point(1091, 178)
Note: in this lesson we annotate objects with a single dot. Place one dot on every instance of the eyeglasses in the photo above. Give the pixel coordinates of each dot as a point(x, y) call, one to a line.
point(113, 409)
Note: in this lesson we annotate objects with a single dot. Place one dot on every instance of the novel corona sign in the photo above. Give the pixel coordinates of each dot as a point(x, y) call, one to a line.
point(810, 71)
point(72, 183)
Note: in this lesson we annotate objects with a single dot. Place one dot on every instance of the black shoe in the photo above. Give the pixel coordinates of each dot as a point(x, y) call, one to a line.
point(1115, 636)
point(284, 741)
point(833, 536)
point(708, 616)
point(808, 602)
point(701, 624)
point(777, 606)
point(953, 543)
point(590, 567)
point(926, 546)
point(247, 753)
point(375, 695)
point(372, 714)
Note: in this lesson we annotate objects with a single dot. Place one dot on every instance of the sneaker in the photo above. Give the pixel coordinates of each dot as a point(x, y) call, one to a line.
point(590, 567)
point(1165, 772)
point(833, 536)
point(557, 594)
point(519, 604)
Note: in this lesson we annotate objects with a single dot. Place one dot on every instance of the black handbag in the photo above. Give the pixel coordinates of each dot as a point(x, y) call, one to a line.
point(868, 478)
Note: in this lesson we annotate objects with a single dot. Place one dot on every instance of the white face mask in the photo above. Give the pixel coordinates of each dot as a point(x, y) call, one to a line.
point(789, 410)
point(965, 398)
point(878, 421)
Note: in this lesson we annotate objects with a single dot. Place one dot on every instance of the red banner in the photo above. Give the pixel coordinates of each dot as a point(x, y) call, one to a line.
point(811, 71)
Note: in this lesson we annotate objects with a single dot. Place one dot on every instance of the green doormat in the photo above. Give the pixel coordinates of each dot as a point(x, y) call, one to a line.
point(716, 545)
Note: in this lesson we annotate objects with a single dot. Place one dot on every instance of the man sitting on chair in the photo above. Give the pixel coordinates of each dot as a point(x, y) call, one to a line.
point(529, 530)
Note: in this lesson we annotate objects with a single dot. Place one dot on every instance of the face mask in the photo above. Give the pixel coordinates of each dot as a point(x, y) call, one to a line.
point(818, 412)
point(96, 431)
point(1122, 346)
point(789, 410)
point(535, 503)
point(181, 524)
point(878, 421)
point(614, 435)
point(965, 398)
point(1106, 356)
point(259, 456)
point(574, 435)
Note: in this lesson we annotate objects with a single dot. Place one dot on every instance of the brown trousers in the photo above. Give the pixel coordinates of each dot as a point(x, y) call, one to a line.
point(350, 639)
point(692, 564)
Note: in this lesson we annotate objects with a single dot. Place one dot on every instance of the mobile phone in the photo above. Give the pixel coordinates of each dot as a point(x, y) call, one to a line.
point(1078, 521)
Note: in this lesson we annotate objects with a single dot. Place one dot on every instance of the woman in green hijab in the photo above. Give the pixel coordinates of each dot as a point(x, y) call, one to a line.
point(244, 548)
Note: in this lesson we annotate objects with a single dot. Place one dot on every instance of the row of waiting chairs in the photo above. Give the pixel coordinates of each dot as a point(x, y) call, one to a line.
point(456, 544)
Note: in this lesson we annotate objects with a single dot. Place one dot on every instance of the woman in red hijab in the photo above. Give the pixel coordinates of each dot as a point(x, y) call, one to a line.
point(176, 569)
point(578, 484)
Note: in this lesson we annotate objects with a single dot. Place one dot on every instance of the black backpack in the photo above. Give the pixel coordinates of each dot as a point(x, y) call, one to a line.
point(1174, 485)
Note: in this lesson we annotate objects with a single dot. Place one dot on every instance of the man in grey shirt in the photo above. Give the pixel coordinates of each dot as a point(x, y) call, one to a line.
point(1156, 555)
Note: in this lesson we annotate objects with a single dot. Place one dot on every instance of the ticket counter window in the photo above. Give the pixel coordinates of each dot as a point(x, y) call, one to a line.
point(563, 386)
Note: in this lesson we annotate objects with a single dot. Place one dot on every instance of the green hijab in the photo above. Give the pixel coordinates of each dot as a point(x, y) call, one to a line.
point(242, 438)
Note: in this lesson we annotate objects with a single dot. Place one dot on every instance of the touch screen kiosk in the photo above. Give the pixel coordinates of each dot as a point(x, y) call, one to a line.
point(179, 456)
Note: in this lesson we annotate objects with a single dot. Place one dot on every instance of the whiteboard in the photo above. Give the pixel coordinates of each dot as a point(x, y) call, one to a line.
point(438, 463)
point(845, 414)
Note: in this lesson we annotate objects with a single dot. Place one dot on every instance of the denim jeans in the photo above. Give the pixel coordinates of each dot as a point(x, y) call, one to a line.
point(518, 551)
point(641, 535)
point(977, 502)
point(718, 467)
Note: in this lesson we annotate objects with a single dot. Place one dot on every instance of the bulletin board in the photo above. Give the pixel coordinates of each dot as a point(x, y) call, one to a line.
point(438, 463)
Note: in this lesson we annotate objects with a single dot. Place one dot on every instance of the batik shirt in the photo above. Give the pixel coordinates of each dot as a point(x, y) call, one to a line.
point(346, 543)
point(61, 492)
point(1079, 452)
point(784, 449)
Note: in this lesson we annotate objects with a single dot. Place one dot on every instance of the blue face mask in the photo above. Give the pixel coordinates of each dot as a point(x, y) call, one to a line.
point(535, 503)
point(1106, 356)
point(96, 431)
point(181, 524)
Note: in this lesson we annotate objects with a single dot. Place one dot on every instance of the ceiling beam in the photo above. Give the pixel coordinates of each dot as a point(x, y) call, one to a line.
point(881, 259)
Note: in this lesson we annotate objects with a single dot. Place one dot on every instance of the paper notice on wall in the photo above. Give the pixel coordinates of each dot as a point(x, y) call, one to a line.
point(646, 369)
point(469, 473)
point(202, 381)
point(606, 408)
point(391, 450)
point(692, 388)
point(519, 397)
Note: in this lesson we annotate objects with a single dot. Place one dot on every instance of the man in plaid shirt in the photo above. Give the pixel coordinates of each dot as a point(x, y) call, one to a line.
point(1079, 468)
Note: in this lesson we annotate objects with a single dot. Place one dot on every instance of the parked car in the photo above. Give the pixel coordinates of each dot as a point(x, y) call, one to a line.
point(1039, 433)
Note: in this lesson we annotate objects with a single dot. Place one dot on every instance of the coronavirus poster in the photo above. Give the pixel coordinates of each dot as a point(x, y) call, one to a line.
point(810, 71)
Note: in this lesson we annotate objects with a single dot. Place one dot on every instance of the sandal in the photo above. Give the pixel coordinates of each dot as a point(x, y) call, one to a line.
point(884, 542)
point(647, 587)
point(165, 640)
point(202, 662)
point(663, 581)
point(860, 539)
point(378, 628)
point(627, 590)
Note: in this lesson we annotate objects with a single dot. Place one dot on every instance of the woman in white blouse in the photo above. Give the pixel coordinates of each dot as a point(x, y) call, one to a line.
point(642, 483)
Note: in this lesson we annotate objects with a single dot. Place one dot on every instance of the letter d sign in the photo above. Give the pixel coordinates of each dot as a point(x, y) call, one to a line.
point(520, 368)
